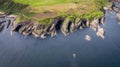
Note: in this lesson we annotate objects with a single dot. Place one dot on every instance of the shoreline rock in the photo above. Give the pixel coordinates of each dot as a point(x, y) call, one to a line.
point(94, 24)
point(65, 25)
point(117, 16)
point(88, 38)
point(6, 21)
point(101, 32)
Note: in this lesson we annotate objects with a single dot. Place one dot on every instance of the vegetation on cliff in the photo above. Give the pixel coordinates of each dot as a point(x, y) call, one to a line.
point(46, 17)
point(44, 11)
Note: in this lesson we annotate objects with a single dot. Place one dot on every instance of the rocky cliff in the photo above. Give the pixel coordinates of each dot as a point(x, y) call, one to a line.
point(63, 24)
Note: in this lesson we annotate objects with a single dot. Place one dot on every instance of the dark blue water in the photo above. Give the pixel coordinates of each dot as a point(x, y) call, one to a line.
point(18, 51)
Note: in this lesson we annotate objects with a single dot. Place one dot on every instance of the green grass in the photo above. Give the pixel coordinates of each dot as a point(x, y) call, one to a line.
point(89, 9)
point(90, 16)
point(44, 2)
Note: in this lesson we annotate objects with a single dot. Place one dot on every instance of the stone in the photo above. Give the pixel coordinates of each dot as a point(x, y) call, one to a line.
point(43, 36)
point(35, 34)
point(101, 33)
point(64, 27)
point(74, 55)
point(116, 9)
point(88, 23)
point(87, 37)
point(94, 24)
point(106, 8)
point(77, 22)
point(118, 16)
point(81, 28)
point(102, 21)
point(72, 27)
point(39, 30)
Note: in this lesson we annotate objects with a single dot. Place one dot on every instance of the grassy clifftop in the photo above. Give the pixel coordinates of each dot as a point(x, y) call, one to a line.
point(35, 3)
point(42, 10)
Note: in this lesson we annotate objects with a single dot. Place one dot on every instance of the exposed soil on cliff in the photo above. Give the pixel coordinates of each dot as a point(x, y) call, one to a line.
point(45, 15)
point(62, 9)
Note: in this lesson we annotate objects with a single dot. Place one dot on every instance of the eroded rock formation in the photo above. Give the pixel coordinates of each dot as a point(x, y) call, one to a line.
point(63, 24)
point(5, 21)
point(100, 32)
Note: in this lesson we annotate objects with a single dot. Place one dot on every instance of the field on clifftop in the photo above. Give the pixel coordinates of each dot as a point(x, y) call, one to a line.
point(44, 2)
point(40, 10)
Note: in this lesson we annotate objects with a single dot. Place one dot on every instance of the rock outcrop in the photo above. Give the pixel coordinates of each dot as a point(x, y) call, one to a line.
point(94, 24)
point(5, 21)
point(68, 25)
point(53, 27)
point(118, 16)
point(115, 6)
point(81, 23)
point(63, 24)
point(39, 30)
point(101, 20)
point(100, 32)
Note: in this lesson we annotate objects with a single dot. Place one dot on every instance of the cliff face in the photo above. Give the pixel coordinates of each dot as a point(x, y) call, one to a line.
point(65, 24)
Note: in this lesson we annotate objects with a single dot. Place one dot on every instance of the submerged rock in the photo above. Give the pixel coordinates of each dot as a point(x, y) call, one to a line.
point(101, 33)
point(74, 55)
point(87, 37)
point(118, 16)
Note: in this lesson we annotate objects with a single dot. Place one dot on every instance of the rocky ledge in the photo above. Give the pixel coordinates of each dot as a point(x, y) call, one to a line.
point(63, 24)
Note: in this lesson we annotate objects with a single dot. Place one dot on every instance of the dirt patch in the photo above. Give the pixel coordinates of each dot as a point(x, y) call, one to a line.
point(53, 10)
point(69, 8)
point(45, 15)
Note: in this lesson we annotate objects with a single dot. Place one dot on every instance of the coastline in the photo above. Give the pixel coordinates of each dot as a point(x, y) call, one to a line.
point(64, 24)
